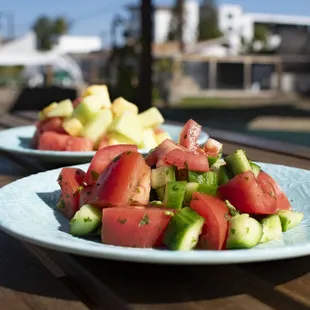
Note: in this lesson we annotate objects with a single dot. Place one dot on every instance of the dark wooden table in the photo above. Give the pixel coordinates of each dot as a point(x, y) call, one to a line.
point(37, 278)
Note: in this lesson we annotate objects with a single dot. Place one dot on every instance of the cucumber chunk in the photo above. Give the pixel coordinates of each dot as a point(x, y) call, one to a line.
point(244, 232)
point(237, 162)
point(183, 230)
point(212, 160)
point(289, 219)
point(160, 193)
point(193, 187)
point(272, 229)
point(197, 177)
point(160, 176)
point(86, 220)
point(255, 168)
point(174, 194)
point(232, 210)
point(224, 175)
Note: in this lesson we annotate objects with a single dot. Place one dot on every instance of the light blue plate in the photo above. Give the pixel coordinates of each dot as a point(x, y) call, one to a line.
point(28, 213)
point(17, 140)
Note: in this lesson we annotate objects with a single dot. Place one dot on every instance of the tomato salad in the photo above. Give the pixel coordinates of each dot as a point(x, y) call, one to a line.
point(181, 196)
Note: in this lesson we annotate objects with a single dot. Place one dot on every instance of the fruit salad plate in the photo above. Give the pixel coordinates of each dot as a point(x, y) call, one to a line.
point(29, 213)
point(17, 140)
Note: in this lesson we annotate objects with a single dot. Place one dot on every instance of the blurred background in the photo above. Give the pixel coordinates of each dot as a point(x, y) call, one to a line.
point(239, 65)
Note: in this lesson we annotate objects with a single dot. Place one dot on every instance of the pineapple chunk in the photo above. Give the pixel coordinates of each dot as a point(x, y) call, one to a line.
point(128, 125)
point(115, 138)
point(120, 105)
point(160, 137)
point(43, 112)
point(86, 110)
point(97, 127)
point(148, 139)
point(72, 126)
point(151, 118)
point(64, 109)
point(100, 91)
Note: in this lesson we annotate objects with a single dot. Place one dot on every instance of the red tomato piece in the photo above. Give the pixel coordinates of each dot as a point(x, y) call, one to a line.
point(102, 158)
point(104, 143)
point(34, 143)
point(86, 195)
point(79, 144)
point(165, 147)
point(184, 159)
point(70, 182)
point(119, 181)
point(250, 195)
point(216, 215)
point(51, 124)
point(133, 227)
point(76, 102)
point(282, 200)
point(189, 136)
point(53, 141)
point(141, 196)
point(213, 147)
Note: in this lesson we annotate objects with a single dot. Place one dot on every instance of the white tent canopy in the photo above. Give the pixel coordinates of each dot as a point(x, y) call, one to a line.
point(22, 52)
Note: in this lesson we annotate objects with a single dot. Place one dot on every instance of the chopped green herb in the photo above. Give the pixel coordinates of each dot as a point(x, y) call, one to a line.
point(94, 175)
point(226, 216)
point(233, 231)
point(87, 219)
point(129, 152)
point(122, 221)
point(59, 178)
point(61, 204)
point(116, 158)
point(247, 178)
point(185, 136)
point(169, 213)
point(145, 220)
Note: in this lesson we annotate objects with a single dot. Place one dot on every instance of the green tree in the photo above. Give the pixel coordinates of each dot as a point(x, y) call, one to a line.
point(177, 21)
point(260, 33)
point(208, 25)
point(46, 29)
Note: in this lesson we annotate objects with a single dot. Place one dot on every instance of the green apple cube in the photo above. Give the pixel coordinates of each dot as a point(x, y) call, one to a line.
point(97, 127)
point(128, 125)
point(151, 118)
point(115, 138)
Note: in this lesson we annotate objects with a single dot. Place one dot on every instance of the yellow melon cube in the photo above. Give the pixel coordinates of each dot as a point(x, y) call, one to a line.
point(43, 113)
point(120, 105)
point(63, 109)
point(160, 137)
point(148, 139)
point(115, 138)
point(128, 125)
point(151, 118)
point(100, 91)
point(97, 127)
point(72, 126)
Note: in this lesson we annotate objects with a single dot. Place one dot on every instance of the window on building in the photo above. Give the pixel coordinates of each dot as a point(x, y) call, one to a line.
point(229, 29)
point(230, 16)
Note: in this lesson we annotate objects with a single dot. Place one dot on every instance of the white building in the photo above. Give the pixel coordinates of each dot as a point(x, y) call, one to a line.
point(233, 21)
point(162, 19)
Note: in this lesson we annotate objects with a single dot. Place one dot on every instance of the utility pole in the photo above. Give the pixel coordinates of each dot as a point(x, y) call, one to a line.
point(180, 13)
point(146, 58)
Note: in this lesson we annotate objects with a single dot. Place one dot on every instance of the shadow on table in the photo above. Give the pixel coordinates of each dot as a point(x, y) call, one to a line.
point(185, 284)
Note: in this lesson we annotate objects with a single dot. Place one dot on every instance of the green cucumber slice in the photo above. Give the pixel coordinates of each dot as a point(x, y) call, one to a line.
point(272, 229)
point(237, 162)
point(183, 230)
point(255, 168)
point(289, 219)
point(244, 232)
point(174, 194)
point(160, 176)
point(86, 220)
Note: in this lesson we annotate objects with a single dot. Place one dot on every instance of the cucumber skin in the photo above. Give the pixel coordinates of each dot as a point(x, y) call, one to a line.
point(238, 163)
point(179, 226)
point(272, 228)
point(224, 175)
point(237, 232)
point(173, 188)
point(255, 168)
point(197, 177)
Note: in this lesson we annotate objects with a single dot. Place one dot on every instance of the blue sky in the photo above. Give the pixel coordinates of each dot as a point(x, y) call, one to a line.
point(93, 17)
